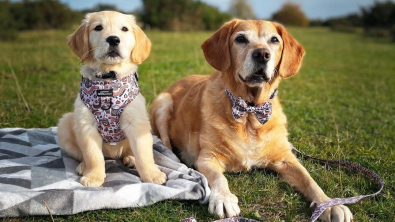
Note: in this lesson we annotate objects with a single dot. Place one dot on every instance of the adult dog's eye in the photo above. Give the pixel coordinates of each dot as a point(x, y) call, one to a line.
point(241, 39)
point(98, 28)
point(125, 29)
point(274, 40)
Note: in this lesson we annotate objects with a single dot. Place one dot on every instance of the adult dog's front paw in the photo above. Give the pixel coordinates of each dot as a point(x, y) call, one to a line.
point(338, 213)
point(154, 175)
point(220, 201)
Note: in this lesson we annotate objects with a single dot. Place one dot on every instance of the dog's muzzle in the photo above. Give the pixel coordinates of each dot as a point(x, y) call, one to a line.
point(260, 56)
point(113, 41)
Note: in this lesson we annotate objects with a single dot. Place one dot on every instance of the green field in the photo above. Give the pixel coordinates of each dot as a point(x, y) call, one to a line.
point(340, 106)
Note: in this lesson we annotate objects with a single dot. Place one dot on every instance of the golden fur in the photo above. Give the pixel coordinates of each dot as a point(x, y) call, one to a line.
point(78, 133)
point(195, 115)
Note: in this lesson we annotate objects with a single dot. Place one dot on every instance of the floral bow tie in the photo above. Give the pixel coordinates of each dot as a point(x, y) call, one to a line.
point(240, 108)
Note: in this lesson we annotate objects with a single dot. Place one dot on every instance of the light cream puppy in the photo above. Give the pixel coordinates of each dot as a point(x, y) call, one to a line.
point(107, 42)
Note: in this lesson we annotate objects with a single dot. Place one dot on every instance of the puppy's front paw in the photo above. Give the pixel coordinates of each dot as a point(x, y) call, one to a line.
point(91, 178)
point(220, 201)
point(129, 161)
point(338, 213)
point(153, 176)
point(91, 181)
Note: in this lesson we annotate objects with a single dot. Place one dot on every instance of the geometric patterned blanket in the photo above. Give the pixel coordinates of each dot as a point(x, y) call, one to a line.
point(36, 176)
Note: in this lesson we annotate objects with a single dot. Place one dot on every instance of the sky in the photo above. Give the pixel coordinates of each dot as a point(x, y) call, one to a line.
point(314, 9)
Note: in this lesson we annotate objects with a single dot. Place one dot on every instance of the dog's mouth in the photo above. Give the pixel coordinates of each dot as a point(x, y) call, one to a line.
point(113, 53)
point(257, 77)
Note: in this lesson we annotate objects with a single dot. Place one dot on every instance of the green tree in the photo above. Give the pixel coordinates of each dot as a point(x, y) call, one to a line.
point(8, 25)
point(379, 20)
point(351, 20)
point(241, 9)
point(291, 14)
point(102, 7)
point(42, 14)
point(178, 15)
point(380, 15)
point(171, 15)
point(211, 17)
point(39, 14)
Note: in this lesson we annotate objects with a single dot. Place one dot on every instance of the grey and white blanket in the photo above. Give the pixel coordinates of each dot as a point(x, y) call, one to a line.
point(36, 176)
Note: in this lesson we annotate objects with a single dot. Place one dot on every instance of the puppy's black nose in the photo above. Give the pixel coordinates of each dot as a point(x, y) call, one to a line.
point(261, 55)
point(113, 40)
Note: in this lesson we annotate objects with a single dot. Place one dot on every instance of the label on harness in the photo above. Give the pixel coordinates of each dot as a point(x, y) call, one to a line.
point(104, 92)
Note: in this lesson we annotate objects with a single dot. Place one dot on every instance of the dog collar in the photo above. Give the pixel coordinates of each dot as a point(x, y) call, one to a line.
point(107, 75)
point(111, 75)
point(240, 107)
point(104, 75)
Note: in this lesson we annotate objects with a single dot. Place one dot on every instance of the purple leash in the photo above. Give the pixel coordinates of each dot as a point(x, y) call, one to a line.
point(339, 201)
point(232, 219)
point(329, 203)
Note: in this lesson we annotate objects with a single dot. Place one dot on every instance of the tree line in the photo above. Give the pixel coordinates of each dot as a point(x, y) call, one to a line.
point(187, 15)
point(375, 21)
point(28, 15)
point(181, 15)
point(172, 15)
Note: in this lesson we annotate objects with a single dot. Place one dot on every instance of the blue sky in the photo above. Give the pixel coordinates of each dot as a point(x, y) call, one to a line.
point(314, 9)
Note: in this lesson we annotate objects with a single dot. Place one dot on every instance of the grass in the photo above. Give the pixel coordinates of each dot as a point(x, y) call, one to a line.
point(340, 106)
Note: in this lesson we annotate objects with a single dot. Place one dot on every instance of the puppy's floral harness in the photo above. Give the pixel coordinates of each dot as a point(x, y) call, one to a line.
point(107, 99)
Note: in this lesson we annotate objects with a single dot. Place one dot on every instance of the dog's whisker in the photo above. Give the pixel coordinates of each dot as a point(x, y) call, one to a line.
point(275, 72)
point(90, 50)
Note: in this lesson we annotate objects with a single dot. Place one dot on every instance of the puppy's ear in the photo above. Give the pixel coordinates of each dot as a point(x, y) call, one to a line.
point(142, 47)
point(216, 49)
point(292, 54)
point(79, 40)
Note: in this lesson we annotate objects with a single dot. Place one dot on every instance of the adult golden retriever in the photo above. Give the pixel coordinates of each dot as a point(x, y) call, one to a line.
point(111, 45)
point(200, 116)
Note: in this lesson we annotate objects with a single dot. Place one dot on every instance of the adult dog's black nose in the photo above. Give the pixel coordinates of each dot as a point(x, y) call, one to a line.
point(113, 40)
point(261, 55)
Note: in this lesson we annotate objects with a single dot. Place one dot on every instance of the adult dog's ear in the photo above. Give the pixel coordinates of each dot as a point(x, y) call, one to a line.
point(292, 53)
point(142, 47)
point(216, 49)
point(79, 40)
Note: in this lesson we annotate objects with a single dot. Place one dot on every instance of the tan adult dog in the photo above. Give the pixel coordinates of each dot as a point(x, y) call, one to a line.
point(109, 42)
point(195, 113)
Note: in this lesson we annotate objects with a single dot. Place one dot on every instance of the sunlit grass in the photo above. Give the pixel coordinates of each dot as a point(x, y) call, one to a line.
point(340, 106)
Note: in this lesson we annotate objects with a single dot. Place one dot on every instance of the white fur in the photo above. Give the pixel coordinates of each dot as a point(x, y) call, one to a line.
point(112, 26)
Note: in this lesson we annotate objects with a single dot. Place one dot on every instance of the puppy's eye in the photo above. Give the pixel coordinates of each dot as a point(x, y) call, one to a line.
point(241, 39)
point(125, 29)
point(98, 28)
point(274, 40)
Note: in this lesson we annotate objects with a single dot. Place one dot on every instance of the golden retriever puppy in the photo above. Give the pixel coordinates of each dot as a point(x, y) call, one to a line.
point(232, 120)
point(110, 117)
